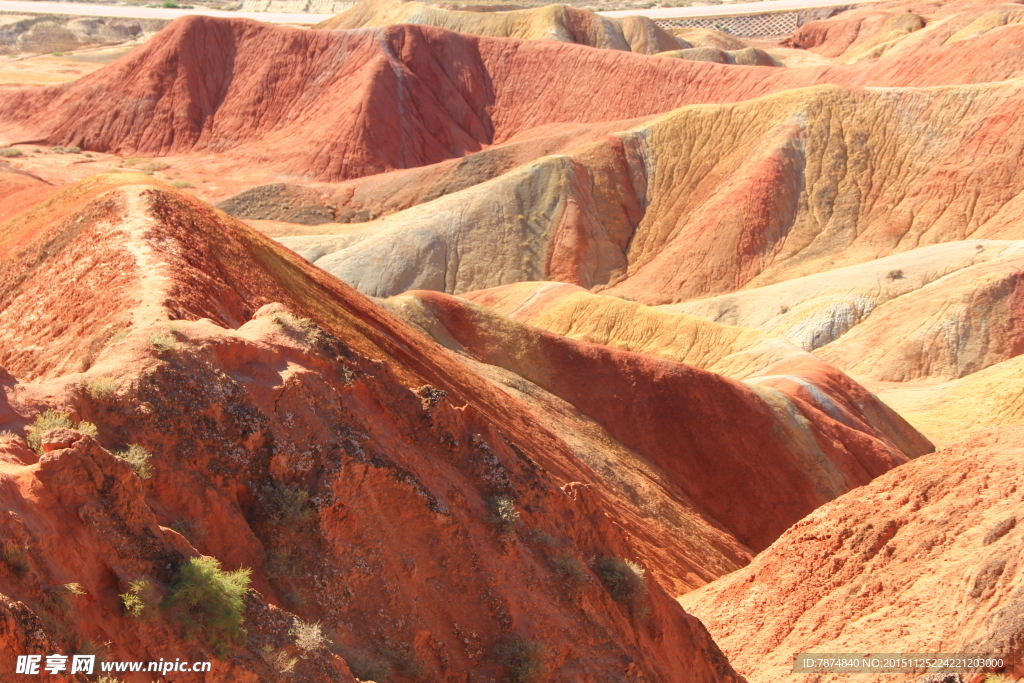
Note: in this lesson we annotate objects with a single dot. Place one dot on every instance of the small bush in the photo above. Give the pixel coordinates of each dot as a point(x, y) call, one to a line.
point(289, 505)
point(58, 149)
point(308, 637)
point(895, 274)
point(571, 570)
point(163, 342)
point(502, 513)
point(58, 54)
point(541, 537)
point(58, 596)
point(53, 419)
point(182, 184)
point(278, 660)
point(10, 153)
point(154, 166)
point(131, 161)
point(206, 600)
point(101, 388)
point(139, 600)
point(50, 419)
point(15, 556)
point(523, 659)
point(624, 580)
point(74, 149)
point(170, 4)
point(138, 457)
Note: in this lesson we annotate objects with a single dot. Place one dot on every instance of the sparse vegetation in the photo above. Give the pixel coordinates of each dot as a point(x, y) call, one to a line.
point(6, 436)
point(895, 274)
point(571, 570)
point(16, 557)
point(206, 600)
point(53, 419)
point(182, 184)
point(74, 149)
point(163, 342)
point(138, 457)
point(289, 505)
point(365, 666)
point(59, 596)
point(308, 637)
point(303, 326)
point(192, 529)
point(278, 660)
point(170, 4)
point(403, 660)
point(625, 582)
point(12, 152)
point(502, 513)
point(282, 563)
point(154, 166)
point(523, 659)
point(130, 161)
point(101, 388)
point(139, 599)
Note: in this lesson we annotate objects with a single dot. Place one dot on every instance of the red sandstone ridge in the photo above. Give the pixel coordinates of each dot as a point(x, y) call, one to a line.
point(736, 451)
point(369, 480)
point(926, 558)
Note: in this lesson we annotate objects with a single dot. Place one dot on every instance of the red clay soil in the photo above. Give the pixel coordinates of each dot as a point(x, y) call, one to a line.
point(369, 480)
point(926, 558)
point(205, 85)
point(716, 438)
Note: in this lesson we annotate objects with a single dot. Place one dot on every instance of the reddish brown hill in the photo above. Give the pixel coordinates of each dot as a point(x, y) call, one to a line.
point(926, 558)
point(369, 480)
point(205, 85)
point(756, 460)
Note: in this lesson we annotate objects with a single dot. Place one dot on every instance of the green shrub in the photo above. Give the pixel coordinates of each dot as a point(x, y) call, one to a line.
point(12, 152)
point(170, 4)
point(624, 581)
point(74, 149)
point(502, 513)
point(138, 457)
point(139, 600)
point(182, 184)
point(210, 602)
point(50, 419)
point(101, 388)
point(523, 659)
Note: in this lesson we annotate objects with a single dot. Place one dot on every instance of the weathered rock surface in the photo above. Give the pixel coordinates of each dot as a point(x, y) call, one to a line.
point(926, 558)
